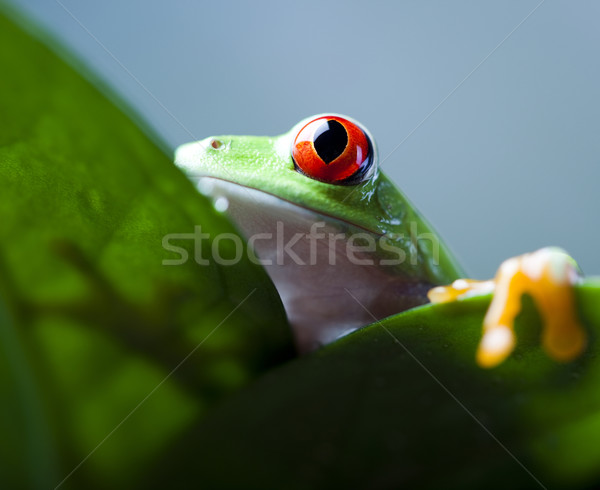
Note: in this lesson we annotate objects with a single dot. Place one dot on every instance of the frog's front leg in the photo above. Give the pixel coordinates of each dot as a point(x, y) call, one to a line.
point(548, 276)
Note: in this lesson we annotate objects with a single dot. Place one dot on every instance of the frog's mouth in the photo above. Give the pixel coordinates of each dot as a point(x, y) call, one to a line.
point(326, 291)
point(219, 190)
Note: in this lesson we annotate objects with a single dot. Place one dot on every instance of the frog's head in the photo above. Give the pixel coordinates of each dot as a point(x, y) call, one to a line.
point(305, 189)
point(327, 164)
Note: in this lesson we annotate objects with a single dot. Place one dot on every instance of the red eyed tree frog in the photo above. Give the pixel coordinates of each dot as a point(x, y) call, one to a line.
point(344, 246)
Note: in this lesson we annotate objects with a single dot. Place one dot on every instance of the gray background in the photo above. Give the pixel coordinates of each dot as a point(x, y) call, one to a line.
point(506, 164)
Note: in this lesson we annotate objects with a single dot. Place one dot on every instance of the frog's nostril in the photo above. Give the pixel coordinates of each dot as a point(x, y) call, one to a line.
point(216, 144)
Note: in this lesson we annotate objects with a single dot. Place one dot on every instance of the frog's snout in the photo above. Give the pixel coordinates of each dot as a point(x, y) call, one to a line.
point(189, 156)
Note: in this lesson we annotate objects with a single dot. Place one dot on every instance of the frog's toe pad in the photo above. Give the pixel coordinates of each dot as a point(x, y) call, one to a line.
point(497, 343)
point(459, 289)
point(567, 343)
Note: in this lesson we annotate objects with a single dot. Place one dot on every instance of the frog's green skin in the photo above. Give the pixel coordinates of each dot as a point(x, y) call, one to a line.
point(257, 178)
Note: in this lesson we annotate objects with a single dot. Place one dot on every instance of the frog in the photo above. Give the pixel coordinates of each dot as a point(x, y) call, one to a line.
point(346, 248)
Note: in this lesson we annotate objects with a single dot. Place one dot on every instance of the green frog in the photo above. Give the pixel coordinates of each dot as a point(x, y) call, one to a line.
point(345, 248)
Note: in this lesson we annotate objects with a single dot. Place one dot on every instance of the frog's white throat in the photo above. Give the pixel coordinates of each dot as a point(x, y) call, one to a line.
point(326, 294)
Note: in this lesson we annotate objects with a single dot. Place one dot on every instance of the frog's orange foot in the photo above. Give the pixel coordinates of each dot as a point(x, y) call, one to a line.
point(548, 276)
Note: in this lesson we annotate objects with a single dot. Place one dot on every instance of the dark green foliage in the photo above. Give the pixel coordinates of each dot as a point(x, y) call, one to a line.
point(90, 320)
point(402, 404)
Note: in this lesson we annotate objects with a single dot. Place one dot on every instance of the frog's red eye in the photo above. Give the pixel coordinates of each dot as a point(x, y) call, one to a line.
point(333, 150)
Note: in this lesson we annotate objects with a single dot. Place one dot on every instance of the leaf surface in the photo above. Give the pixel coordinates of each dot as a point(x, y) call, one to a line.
point(91, 320)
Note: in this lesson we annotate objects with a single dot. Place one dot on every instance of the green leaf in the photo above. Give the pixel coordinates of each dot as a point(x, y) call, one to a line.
point(402, 404)
point(91, 321)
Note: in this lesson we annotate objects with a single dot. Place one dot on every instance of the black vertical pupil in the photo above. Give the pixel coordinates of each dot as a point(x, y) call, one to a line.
point(330, 140)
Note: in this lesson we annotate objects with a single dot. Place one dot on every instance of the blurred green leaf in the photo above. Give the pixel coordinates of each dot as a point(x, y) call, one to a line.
point(91, 321)
point(402, 404)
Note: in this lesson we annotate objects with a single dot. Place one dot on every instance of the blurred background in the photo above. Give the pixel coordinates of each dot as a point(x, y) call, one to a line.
point(486, 115)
